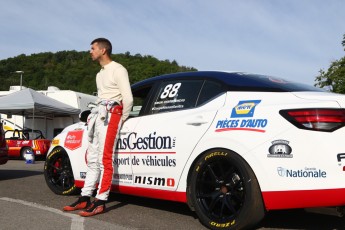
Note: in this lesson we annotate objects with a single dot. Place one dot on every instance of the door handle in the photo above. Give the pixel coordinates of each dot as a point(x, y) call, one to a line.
point(197, 121)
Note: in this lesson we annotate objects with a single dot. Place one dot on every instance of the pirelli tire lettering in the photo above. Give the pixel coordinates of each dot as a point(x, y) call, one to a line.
point(222, 225)
point(213, 154)
point(224, 191)
point(58, 173)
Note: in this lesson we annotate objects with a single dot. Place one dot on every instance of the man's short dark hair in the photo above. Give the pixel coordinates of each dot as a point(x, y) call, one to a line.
point(104, 43)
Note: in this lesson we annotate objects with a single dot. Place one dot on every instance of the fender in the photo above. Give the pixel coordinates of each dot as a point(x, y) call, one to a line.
point(75, 147)
point(206, 143)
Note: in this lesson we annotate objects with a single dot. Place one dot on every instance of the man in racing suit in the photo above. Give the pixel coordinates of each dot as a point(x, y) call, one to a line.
point(114, 103)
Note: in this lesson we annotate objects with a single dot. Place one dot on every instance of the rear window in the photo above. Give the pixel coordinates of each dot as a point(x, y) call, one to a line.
point(263, 83)
point(209, 91)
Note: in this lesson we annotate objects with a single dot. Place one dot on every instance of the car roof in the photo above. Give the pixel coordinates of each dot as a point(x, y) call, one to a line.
point(235, 81)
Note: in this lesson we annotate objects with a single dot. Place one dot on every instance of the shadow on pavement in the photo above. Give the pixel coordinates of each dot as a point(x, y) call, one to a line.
point(300, 219)
point(8, 174)
point(170, 206)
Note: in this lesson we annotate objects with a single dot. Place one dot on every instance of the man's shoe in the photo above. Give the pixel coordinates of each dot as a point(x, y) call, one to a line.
point(81, 203)
point(96, 207)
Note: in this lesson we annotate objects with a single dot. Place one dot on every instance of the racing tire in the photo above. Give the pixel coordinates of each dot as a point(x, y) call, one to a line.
point(224, 191)
point(58, 173)
point(23, 151)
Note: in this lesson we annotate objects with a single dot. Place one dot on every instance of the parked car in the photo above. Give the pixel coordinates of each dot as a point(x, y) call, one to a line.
point(231, 145)
point(21, 141)
point(3, 146)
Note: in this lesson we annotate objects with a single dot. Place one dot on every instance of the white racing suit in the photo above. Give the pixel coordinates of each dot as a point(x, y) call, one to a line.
point(104, 123)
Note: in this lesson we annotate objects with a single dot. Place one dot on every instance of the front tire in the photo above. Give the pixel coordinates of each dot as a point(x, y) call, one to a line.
point(224, 191)
point(58, 173)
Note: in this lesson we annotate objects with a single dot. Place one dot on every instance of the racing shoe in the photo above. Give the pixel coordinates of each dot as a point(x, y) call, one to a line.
point(96, 207)
point(81, 203)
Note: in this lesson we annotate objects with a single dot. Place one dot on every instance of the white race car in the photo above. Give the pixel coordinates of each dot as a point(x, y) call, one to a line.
point(230, 145)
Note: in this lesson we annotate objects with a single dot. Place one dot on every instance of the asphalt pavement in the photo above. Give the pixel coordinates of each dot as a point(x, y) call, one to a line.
point(26, 202)
point(20, 214)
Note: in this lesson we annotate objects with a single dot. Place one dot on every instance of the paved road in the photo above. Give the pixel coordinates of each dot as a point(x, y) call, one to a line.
point(27, 203)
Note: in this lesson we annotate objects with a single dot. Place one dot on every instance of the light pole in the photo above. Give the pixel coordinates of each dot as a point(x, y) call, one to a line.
point(21, 78)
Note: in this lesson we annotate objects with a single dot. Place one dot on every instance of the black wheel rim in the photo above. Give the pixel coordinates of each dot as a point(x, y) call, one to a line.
point(220, 190)
point(59, 172)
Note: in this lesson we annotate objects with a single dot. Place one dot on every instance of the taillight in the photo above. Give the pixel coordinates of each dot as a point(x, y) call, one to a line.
point(326, 120)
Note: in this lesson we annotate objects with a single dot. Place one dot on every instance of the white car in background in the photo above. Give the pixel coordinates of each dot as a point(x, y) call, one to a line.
point(230, 145)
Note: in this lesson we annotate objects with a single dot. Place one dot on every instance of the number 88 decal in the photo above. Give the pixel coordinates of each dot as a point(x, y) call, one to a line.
point(170, 90)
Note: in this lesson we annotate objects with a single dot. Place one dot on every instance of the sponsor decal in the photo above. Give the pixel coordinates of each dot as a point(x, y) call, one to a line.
point(82, 175)
point(168, 100)
point(302, 173)
point(74, 139)
point(340, 159)
point(155, 161)
point(151, 142)
point(156, 181)
point(280, 148)
point(159, 161)
point(55, 142)
point(123, 178)
point(244, 109)
point(121, 161)
point(149, 145)
point(168, 107)
point(241, 118)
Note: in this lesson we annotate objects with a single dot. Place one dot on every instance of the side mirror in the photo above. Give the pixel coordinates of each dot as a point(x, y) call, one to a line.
point(83, 115)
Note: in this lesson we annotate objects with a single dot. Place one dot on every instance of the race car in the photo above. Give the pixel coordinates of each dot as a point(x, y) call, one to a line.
point(231, 145)
point(21, 141)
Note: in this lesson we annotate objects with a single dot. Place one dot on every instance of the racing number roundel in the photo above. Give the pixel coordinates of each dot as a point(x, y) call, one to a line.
point(74, 139)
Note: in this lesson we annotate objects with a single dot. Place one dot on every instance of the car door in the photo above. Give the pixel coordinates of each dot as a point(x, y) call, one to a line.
point(176, 118)
point(123, 173)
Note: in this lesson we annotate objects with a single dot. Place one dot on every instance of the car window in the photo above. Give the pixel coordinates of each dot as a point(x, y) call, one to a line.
point(209, 90)
point(140, 97)
point(175, 95)
point(31, 135)
point(26, 134)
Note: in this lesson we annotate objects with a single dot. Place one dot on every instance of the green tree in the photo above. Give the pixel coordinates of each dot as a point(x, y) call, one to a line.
point(76, 71)
point(334, 78)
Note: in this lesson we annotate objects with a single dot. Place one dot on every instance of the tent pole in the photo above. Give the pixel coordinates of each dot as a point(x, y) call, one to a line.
point(33, 120)
point(23, 120)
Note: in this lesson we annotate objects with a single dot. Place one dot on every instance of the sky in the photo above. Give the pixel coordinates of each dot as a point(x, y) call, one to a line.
point(291, 39)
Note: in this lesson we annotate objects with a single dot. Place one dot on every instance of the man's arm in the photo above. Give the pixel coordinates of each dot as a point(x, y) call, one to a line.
point(126, 92)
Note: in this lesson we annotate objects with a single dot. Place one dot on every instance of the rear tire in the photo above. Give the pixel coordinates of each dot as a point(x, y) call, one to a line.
point(58, 173)
point(23, 151)
point(224, 191)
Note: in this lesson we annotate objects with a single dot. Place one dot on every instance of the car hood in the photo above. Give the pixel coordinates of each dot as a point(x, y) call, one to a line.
point(322, 96)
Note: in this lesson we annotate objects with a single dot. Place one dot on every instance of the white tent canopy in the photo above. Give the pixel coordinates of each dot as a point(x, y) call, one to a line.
point(29, 102)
